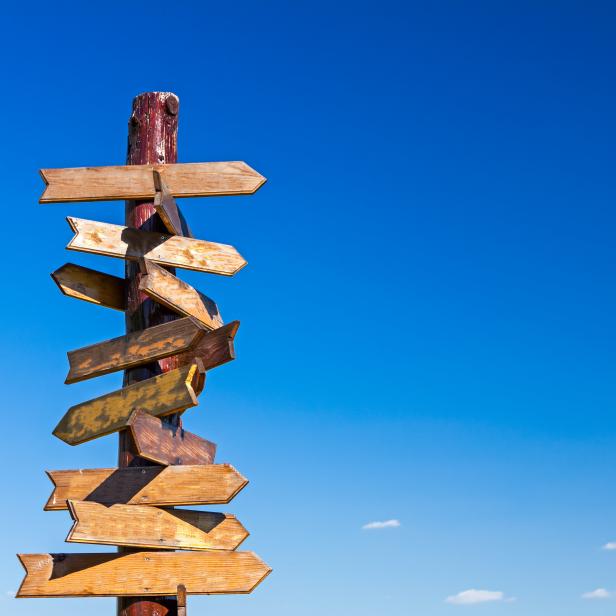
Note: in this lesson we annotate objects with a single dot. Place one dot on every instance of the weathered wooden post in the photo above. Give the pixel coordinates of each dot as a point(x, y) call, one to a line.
point(174, 335)
point(152, 140)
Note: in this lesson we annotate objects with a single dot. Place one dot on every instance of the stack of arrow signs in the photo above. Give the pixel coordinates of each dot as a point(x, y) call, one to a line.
point(133, 506)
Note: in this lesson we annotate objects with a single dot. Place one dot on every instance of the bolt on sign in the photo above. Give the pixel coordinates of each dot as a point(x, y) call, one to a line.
point(167, 551)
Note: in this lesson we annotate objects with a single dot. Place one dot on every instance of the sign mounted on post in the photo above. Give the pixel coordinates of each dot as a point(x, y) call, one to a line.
point(137, 181)
point(174, 334)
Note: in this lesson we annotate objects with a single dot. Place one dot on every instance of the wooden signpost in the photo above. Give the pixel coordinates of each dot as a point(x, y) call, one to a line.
point(174, 335)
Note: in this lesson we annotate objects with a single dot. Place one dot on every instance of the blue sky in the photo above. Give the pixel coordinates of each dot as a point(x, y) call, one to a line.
point(427, 315)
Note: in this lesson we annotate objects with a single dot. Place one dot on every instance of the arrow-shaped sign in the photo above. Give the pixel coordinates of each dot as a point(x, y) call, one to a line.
point(134, 349)
point(91, 286)
point(137, 181)
point(171, 392)
point(168, 210)
point(214, 349)
point(168, 290)
point(173, 250)
point(165, 486)
point(168, 444)
point(142, 526)
point(140, 573)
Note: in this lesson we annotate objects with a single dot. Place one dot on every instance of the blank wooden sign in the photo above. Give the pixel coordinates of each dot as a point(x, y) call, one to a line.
point(171, 392)
point(172, 250)
point(142, 526)
point(140, 574)
point(137, 181)
point(207, 484)
point(163, 287)
point(168, 444)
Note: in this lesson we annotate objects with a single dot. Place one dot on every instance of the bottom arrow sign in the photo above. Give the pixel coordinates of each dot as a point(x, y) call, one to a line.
point(140, 574)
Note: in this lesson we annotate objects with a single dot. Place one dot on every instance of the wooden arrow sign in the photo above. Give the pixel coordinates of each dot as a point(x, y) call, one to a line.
point(171, 392)
point(134, 349)
point(165, 288)
point(168, 444)
point(137, 181)
point(142, 526)
point(172, 250)
point(214, 349)
point(91, 286)
point(140, 573)
point(168, 210)
point(165, 486)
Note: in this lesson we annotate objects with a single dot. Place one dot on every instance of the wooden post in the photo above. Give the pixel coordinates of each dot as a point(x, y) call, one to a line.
point(152, 139)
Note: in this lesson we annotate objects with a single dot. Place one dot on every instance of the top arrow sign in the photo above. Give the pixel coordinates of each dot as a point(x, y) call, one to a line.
point(137, 181)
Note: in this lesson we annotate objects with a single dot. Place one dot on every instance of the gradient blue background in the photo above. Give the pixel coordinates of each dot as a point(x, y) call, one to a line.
point(428, 311)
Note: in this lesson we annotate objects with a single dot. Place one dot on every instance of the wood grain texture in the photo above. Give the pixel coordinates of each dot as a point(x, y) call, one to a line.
point(164, 443)
point(208, 484)
point(140, 573)
point(167, 393)
point(141, 526)
point(214, 349)
point(168, 210)
point(91, 286)
point(137, 181)
point(177, 295)
point(171, 250)
point(134, 349)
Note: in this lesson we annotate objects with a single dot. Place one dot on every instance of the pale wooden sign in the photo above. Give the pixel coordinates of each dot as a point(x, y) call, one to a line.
point(140, 573)
point(171, 392)
point(166, 486)
point(166, 443)
point(171, 250)
point(142, 526)
point(134, 349)
point(91, 286)
point(137, 181)
point(168, 290)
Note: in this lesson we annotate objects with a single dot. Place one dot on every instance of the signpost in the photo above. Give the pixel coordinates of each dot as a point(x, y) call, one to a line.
point(174, 334)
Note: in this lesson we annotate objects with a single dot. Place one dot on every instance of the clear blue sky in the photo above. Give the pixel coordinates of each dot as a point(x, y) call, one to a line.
point(428, 312)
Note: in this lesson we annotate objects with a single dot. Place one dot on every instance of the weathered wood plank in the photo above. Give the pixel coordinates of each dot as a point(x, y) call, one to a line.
point(134, 349)
point(167, 393)
point(161, 442)
point(168, 290)
point(207, 484)
point(140, 573)
point(137, 181)
point(91, 286)
point(168, 209)
point(171, 250)
point(214, 349)
point(142, 526)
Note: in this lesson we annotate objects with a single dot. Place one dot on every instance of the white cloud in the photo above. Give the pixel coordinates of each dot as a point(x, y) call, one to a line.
point(472, 596)
point(610, 546)
point(10, 593)
point(379, 525)
point(599, 593)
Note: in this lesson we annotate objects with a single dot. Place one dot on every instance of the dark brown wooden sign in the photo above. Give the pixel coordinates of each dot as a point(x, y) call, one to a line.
point(91, 286)
point(168, 444)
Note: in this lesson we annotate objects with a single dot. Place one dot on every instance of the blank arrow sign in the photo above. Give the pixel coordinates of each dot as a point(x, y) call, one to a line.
point(137, 181)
